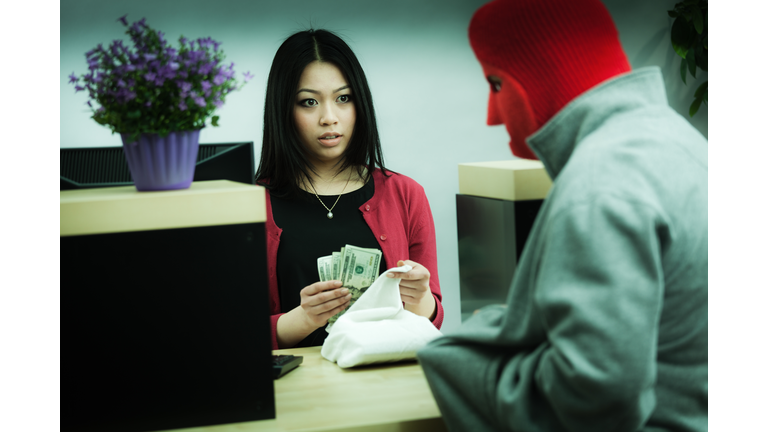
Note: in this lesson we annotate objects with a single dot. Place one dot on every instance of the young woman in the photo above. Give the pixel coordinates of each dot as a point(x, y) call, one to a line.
point(322, 164)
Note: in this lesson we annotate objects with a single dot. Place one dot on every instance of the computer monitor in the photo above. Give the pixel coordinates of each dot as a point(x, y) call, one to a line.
point(92, 167)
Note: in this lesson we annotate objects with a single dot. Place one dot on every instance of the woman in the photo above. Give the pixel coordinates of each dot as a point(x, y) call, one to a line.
point(322, 165)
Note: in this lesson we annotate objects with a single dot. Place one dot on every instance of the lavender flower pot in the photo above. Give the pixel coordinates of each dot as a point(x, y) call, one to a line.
point(162, 163)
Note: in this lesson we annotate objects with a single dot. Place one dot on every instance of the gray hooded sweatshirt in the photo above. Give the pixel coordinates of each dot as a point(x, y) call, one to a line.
point(605, 326)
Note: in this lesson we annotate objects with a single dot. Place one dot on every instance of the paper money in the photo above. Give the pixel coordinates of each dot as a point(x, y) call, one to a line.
point(336, 265)
point(325, 268)
point(356, 267)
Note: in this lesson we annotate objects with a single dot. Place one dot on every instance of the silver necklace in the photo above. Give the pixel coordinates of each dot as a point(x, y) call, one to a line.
point(330, 210)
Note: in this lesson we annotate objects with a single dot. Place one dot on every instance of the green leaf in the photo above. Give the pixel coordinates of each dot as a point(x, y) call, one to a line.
point(701, 57)
point(672, 14)
point(215, 120)
point(691, 58)
point(683, 70)
point(681, 36)
point(698, 19)
point(134, 114)
point(694, 107)
point(701, 92)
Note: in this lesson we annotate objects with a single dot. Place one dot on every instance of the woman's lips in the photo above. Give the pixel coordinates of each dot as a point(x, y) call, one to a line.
point(330, 139)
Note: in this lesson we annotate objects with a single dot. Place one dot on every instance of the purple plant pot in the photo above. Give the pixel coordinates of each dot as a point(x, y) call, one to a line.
point(162, 163)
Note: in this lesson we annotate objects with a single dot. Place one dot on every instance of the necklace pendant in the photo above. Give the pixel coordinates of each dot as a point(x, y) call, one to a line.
point(330, 215)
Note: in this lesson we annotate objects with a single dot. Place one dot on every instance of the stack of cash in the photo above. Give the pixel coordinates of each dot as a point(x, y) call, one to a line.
point(357, 268)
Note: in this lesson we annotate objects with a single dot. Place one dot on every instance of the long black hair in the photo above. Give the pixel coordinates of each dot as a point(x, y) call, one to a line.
point(284, 164)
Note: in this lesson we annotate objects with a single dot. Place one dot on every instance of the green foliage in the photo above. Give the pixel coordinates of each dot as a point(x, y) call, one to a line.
point(689, 40)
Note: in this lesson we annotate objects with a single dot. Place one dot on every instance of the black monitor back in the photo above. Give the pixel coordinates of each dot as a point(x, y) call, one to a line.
point(91, 167)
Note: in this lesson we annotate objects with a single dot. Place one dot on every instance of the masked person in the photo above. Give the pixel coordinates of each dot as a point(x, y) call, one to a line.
point(605, 326)
point(322, 165)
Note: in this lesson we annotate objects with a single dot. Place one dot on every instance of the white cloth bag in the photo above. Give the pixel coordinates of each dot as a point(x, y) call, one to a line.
point(376, 329)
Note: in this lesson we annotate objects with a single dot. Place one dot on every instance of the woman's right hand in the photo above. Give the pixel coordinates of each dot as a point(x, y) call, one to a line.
point(322, 300)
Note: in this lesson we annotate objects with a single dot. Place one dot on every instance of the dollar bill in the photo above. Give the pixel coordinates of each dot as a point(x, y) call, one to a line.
point(325, 268)
point(356, 267)
point(360, 267)
point(336, 265)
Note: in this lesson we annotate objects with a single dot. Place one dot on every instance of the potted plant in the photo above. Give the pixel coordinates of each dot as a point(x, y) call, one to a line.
point(157, 98)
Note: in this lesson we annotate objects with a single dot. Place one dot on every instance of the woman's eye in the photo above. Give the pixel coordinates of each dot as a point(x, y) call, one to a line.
point(344, 98)
point(308, 102)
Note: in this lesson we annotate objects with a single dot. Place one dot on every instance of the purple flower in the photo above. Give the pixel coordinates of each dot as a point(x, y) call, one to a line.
point(247, 76)
point(216, 45)
point(184, 86)
point(72, 78)
point(89, 104)
point(124, 95)
point(116, 47)
point(200, 101)
point(159, 81)
point(182, 106)
point(150, 57)
point(123, 20)
point(219, 79)
point(205, 68)
point(79, 89)
point(182, 40)
point(218, 103)
point(148, 104)
point(205, 85)
point(149, 76)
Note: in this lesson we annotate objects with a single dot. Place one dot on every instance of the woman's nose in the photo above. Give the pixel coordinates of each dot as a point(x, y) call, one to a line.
point(328, 115)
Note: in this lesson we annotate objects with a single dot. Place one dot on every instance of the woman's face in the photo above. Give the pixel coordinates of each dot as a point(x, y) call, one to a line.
point(324, 113)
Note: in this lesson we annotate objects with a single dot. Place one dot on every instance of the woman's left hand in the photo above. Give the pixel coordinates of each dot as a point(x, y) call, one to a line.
point(414, 289)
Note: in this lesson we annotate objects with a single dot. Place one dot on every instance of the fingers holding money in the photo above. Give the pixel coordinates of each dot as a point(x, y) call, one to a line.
point(322, 300)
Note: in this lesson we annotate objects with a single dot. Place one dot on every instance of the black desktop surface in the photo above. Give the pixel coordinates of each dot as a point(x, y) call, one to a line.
point(90, 167)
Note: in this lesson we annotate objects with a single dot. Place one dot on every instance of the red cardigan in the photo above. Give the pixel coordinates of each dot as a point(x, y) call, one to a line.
point(399, 216)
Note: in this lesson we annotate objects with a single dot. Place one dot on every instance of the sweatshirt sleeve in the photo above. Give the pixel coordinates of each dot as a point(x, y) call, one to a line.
point(579, 354)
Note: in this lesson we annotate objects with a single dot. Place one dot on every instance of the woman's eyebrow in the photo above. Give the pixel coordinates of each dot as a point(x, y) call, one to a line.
point(317, 92)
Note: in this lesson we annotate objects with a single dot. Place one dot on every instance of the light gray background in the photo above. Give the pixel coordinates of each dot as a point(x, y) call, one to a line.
point(429, 92)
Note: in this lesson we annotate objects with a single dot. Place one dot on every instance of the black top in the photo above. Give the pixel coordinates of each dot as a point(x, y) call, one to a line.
point(308, 234)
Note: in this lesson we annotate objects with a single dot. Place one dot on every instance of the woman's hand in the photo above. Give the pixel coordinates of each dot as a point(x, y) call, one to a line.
point(414, 289)
point(322, 300)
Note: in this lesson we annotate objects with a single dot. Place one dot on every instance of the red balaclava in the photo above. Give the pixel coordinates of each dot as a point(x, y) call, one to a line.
point(546, 53)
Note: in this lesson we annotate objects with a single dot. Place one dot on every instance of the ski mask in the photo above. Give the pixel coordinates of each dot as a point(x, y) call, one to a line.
point(545, 54)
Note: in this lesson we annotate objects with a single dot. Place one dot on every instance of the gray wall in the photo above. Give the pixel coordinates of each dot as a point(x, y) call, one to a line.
point(429, 91)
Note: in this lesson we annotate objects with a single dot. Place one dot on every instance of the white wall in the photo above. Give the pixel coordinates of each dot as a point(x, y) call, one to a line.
point(428, 89)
